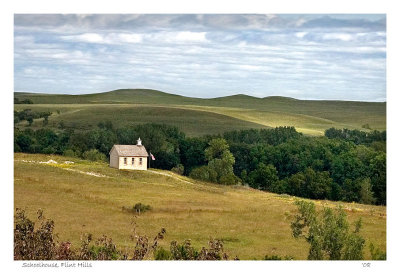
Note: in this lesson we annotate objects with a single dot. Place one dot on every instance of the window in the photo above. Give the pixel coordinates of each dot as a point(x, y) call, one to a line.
point(133, 161)
point(125, 161)
point(140, 161)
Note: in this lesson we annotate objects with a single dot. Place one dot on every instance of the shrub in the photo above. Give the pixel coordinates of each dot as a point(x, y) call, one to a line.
point(366, 126)
point(162, 254)
point(139, 207)
point(64, 252)
point(39, 244)
point(200, 173)
point(70, 153)
point(143, 249)
point(215, 251)
point(94, 155)
point(277, 258)
point(327, 233)
point(61, 124)
point(229, 179)
point(105, 249)
point(179, 169)
point(31, 244)
point(376, 253)
point(49, 150)
point(183, 251)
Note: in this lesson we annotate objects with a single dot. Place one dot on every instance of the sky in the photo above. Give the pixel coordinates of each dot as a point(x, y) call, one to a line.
point(304, 56)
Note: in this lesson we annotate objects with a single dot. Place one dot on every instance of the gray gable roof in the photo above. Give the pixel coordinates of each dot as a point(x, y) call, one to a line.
point(130, 150)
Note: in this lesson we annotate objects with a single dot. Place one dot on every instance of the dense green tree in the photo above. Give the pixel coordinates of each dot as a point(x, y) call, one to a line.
point(30, 120)
point(192, 153)
point(377, 169)
point(310, 184)
point(346, 166)
point(220, 164)
point(217, 149)
point(126, 136)
point(317, 184)
point(24, 142)
point(366, 194)
point(264, 177)
point(356, 136)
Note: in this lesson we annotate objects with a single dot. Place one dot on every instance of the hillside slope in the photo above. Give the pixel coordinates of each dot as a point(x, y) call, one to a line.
point(88, 197)
point(193, 122)
point(310, 117)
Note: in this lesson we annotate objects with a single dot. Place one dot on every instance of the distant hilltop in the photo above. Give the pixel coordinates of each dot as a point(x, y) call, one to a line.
point(151, 96)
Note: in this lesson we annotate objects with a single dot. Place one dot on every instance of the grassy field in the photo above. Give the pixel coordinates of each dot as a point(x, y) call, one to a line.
point(192, 122)
point(251, 223)
point(201, 116)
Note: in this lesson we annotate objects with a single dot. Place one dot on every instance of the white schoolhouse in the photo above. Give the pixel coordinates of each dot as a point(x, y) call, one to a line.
point(129, 156)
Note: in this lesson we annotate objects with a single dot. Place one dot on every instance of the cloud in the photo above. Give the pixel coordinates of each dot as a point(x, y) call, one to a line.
point(126, 38)
point(193, 21)
point(201, 55)
point(191, 36)
point(330, 22)
point(86, 37)
point(338, 36)
point(110, 38)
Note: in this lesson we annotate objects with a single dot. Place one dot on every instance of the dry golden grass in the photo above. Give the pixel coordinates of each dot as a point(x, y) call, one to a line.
point(251, 223)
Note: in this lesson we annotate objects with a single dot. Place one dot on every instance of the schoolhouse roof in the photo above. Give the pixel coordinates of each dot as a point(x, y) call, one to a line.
point(130, 150)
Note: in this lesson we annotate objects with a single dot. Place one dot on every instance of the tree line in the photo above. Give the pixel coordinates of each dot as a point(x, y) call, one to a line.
point(29, 115)
point(23, 101)
point(345, 165)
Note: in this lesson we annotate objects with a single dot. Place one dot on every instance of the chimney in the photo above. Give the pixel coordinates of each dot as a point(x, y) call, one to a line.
point(139, 142)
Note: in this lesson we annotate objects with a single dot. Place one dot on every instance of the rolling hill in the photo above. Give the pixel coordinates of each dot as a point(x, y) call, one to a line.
point(87, 197)
point(235, 112)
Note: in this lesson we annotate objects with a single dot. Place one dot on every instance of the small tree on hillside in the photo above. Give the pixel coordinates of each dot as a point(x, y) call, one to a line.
point(220, 164)
point(327, 233)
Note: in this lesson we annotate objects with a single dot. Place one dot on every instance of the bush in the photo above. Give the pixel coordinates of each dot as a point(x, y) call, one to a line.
point(200, 173)
point(277, 258)
point(105, 249)
point(40, 244)
point(143, 248)
point(229, 179)
point(376, 253)
point(49, 150)
point(31, 244)
point(139, 207)
point(162, 254)
point(94, 155)
point(214, 252)
point(179, 169)
point(183, 251)
point(327, 233)
point(70, 153)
